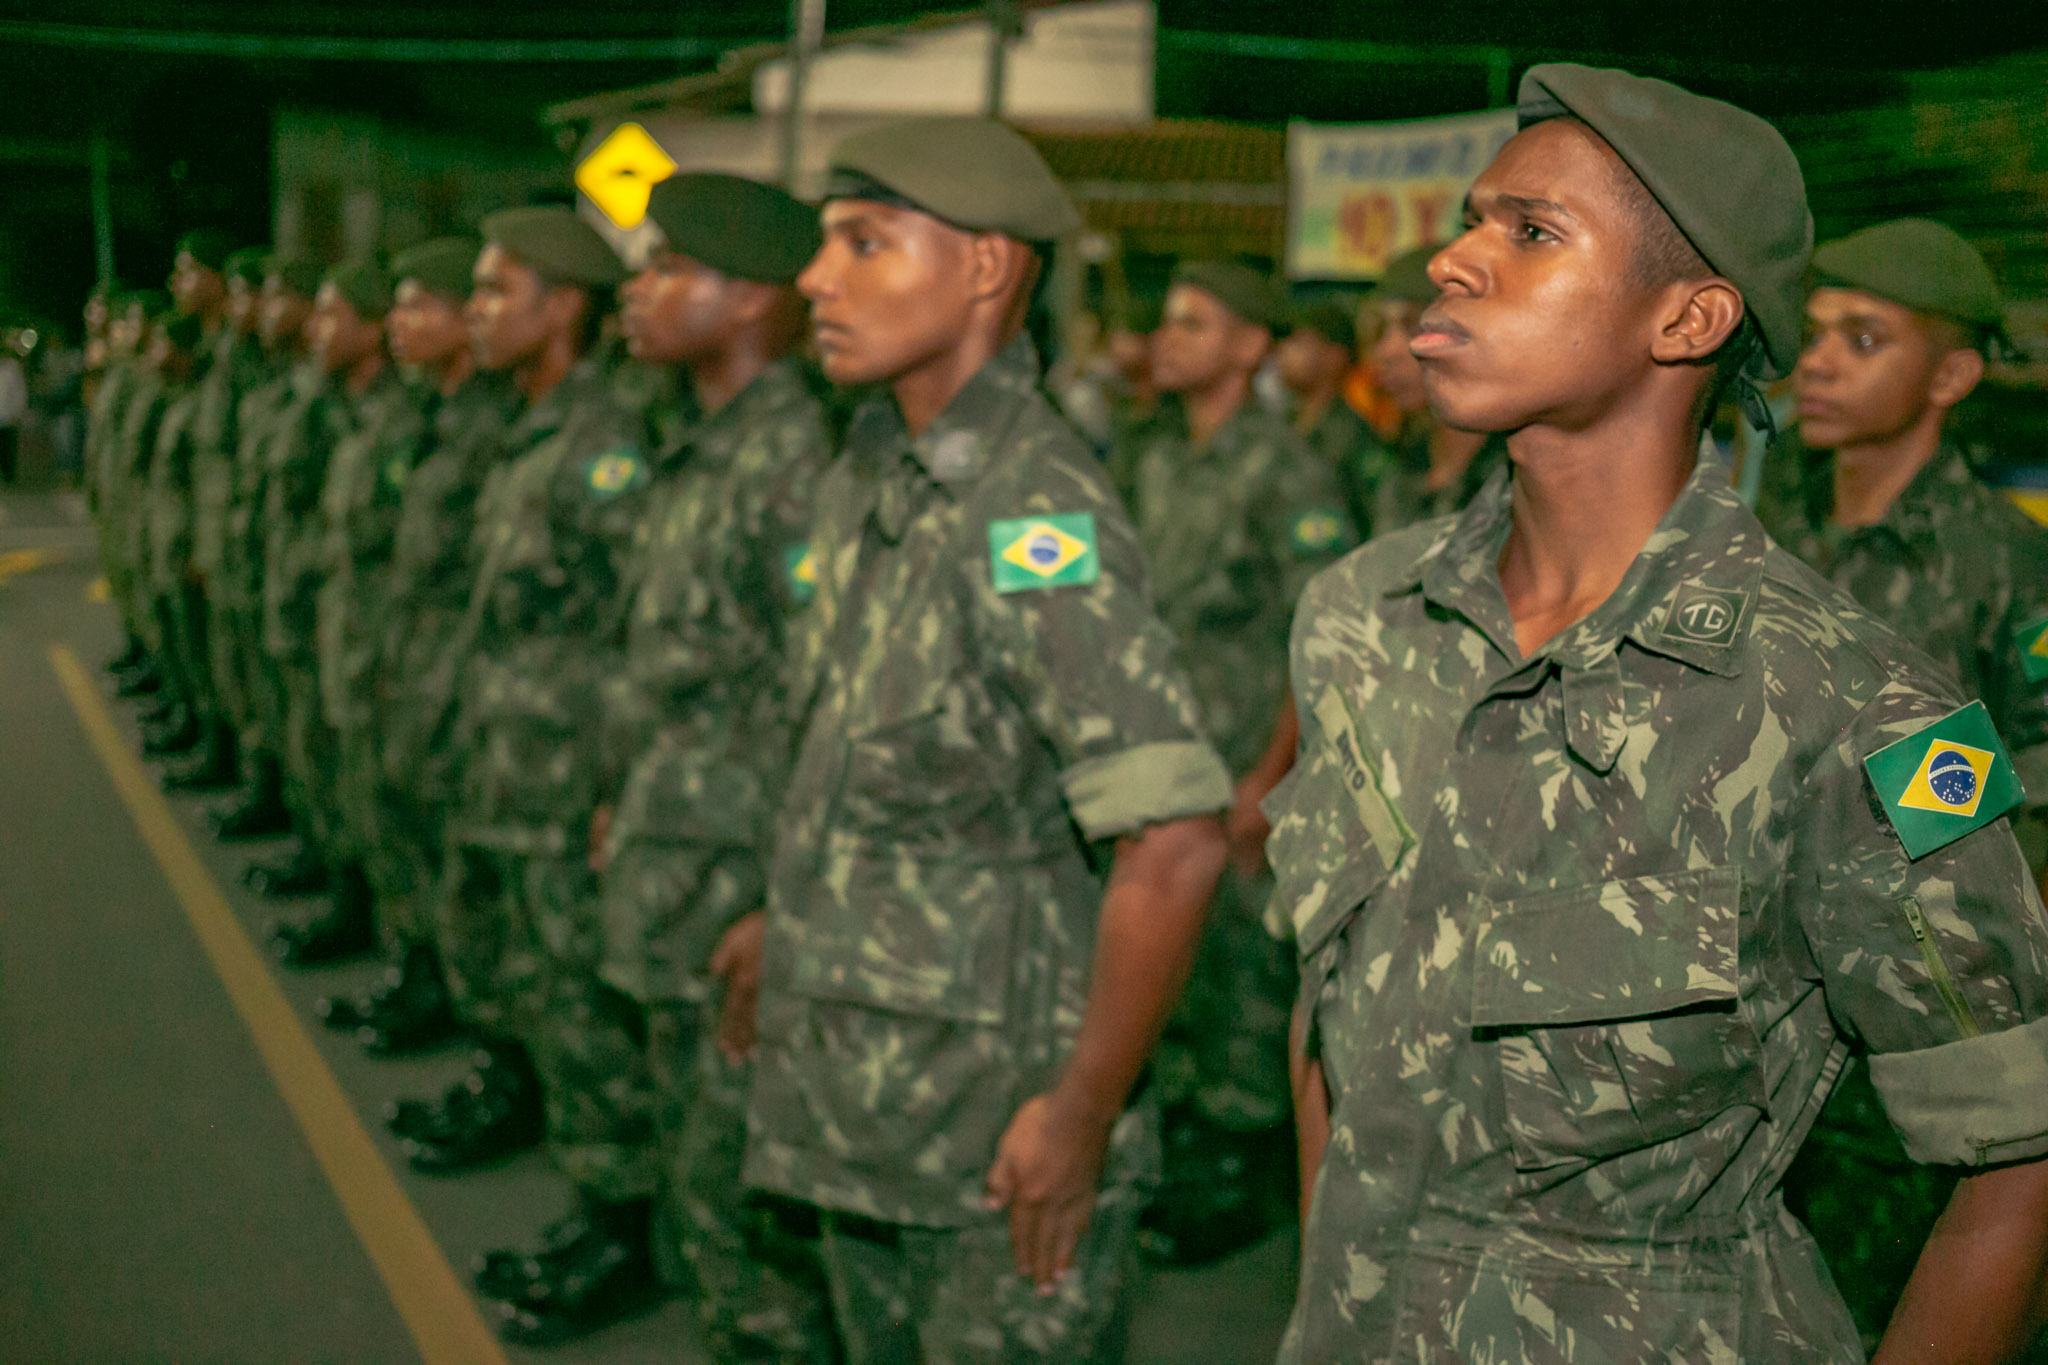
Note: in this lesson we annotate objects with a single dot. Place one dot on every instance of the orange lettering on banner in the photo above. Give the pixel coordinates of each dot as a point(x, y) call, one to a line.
point(1366, 224)
point(1429, 208)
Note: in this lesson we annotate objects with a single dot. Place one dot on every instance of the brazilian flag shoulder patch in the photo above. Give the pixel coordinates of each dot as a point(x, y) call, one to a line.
point(2031, 640)
point(1056, 551)
point(615, 472)
point(1317, 531)
point(800, 571)
point(1949, 779)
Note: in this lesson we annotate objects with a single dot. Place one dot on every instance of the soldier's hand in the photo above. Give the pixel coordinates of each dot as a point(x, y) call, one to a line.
point(1047, 1167)
point(737, 961)
point(600, 834)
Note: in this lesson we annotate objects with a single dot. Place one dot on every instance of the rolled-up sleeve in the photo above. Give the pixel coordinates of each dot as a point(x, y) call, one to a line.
point(1938, 965)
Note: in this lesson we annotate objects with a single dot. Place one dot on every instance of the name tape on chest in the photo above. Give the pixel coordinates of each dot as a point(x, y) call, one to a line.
point(1058, 551)
point(1945, 781)
point(800, 571)
point(1384, 828)
point(2031, 640)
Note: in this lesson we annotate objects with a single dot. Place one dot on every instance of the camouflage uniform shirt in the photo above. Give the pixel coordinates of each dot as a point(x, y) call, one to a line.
point(1231, 533)
point(1586, 937)
point(697, 726)
point(1957, 569)
point(963, 738)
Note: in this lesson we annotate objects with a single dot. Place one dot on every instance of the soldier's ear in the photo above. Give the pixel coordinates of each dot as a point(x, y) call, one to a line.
point(1956, 375)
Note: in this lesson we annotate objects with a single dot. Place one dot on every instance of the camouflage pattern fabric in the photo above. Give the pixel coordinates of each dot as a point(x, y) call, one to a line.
point(257, 415)
point(359, 509)
point(170, 587)
point(697, 720)
point(237, 368)
point(126, 502)
point(1350, 449)
point(1391, 480)
point(412, 688)
point(553, 535)
point(104, 423)
point(1956, 569)
point(1231, 532)
point(760, 1291)
point(984, 693)
point(1586, 938)
point(697, 714)
point(297, 458)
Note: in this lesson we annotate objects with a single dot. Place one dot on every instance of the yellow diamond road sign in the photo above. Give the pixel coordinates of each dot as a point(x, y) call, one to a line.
point(621, 171)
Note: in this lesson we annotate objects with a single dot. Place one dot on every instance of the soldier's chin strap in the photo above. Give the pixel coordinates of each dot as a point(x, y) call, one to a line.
point(1749, 397)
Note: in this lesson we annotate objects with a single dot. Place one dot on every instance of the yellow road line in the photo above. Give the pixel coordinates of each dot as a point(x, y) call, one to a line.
point(442, 1317)
point(21, 561)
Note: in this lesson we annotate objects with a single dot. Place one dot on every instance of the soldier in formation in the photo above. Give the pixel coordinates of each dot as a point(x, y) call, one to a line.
point(813, 823)
point(1879, 498)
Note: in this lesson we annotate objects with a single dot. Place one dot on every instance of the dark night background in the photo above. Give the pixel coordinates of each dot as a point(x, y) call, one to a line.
point(191, 133)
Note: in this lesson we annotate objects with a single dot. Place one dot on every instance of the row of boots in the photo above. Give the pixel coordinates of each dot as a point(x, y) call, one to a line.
point(591, 1267)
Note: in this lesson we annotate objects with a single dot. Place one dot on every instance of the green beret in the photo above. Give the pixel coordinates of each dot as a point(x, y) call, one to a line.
point(442, 266)
point(1406, 278)
point(247, 265)
point(736, 226)
point(1244, 291)
point(1330, 319)
point(974, 173)
point(1921, 264)
point(300, 274)
point(364, 284)
point(1726, 177)
point(208, 246)
point(558, 244)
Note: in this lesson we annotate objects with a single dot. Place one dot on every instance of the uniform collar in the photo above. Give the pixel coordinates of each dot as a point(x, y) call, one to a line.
point(771, 391)
point(956, 448)
point(1691, 595)
point(1913, 515)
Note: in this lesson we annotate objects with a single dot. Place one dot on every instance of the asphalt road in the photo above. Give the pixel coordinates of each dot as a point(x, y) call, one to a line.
point(171, 1188)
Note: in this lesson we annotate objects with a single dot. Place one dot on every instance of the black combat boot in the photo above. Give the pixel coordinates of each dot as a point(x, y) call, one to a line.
point(259, 812)
point(405, 1011)
point(212, 768)
point(176, 735)
point(591, 1269)
point(139, 681)
point(492, 1113)
point(132, 656)
point(346, 928)
point(302, 872)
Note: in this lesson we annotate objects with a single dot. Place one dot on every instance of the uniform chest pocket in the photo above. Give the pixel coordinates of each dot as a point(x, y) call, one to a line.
point(1616, 1014)
point(1327, 860)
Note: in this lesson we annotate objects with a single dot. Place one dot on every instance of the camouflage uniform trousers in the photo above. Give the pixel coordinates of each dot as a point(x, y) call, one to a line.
point(778, 1280)
point(311, 753)
point(759, 1289)
point(517, 930)
point(1224, 1051)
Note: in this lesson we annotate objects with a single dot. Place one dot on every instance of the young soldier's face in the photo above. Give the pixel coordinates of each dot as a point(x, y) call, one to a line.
point(507, 312)
point(891, 290)
point(1308, 360)
point(1398, 371)
point(1539, 319)
point(1200, 342)
point(1868, 372)
point(426, 329)
point(195, 288)
point(338, 335)
point(242, 305)
point(677, 311)
point(281, 315)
